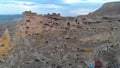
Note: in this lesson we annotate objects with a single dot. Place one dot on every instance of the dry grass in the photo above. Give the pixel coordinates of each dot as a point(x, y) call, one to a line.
point(5, 46)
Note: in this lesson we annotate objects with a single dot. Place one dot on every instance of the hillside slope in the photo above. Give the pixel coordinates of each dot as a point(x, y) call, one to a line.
point(108, 9)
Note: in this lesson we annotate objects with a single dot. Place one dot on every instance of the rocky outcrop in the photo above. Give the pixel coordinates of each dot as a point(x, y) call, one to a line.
point(35, 24)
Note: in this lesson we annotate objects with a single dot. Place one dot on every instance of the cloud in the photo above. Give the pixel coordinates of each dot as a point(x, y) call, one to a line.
point(20, 6)
point(12, 8)
point(84, 1)
point(48, 6)
point(17, 2)
point(32, 4)
point(81, 11)
point(71, 1)
point(9, 7)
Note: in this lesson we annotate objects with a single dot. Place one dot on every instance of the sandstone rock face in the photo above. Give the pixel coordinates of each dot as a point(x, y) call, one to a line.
point(35, 24)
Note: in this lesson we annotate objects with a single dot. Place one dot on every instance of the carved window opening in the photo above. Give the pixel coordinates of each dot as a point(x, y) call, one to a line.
point(27, 27)
point(47, 24)
point(112, 46)
point(50, 21)
point(51, 26)
point(73, 25)
point(43, 59)
point(2, 45)
point(40, 21)
point(59, 66)
point(53, 65)
point(67, 28)
point(68, 24)
point(27, 20)
point(37, 60)
point(56, 23)
point(47, 62)
point(83, 18)
point(76, 20)
point(29, 34)
point(70, 64)
point(46, 42)
point(118, 20)
point(55, 19)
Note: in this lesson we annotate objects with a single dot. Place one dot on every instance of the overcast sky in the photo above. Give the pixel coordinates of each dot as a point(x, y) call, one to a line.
point(65, 7)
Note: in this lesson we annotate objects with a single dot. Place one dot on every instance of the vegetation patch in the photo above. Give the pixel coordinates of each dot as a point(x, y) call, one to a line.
point(5, 46)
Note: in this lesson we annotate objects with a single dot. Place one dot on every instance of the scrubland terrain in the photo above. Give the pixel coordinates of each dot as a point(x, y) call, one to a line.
point(96, 39)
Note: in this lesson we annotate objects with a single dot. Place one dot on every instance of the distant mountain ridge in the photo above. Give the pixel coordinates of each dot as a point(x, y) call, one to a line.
point(7, 18)
point(108, 9)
